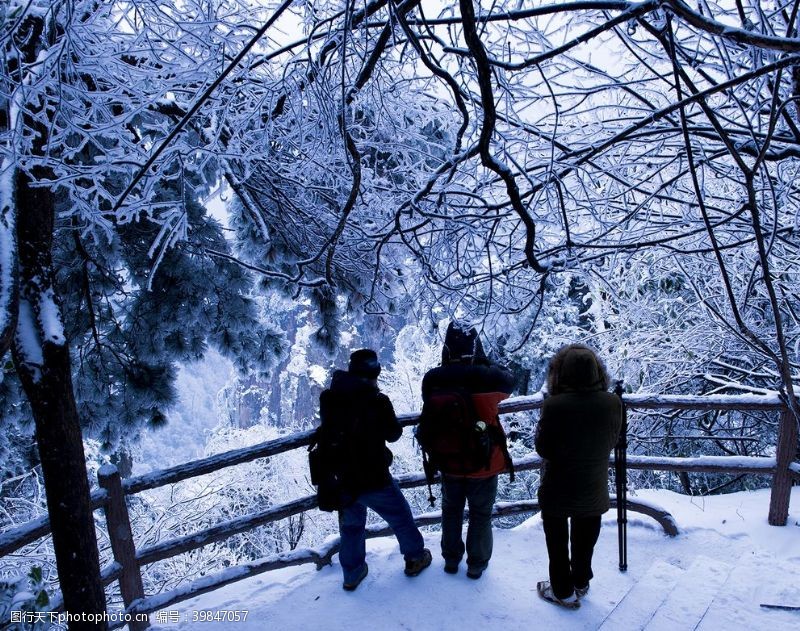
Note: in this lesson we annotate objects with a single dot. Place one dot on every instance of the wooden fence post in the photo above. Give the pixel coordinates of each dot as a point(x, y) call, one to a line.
point(782, 480)
point(121, 536)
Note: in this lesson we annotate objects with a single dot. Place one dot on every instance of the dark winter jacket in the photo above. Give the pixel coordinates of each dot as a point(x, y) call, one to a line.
point(487, 385)
point(576, 433)
point(367, 417)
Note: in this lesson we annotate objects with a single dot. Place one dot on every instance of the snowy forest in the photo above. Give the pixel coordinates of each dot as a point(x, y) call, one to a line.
point(206, 205)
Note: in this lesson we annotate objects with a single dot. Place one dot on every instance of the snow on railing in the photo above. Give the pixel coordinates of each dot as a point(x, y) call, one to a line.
point(515, 404)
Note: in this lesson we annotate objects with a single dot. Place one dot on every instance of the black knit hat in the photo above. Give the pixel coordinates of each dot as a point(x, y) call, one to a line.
point(461, 342)
point(364, 363)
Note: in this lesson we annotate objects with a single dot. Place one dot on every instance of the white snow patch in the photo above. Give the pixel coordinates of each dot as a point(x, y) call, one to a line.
point(192, 419)
point(7, 236)
point(28, 339)
point(216, 202)
point(771, 399)
point(106, 470)
point(766, 399)
point(737, 462)
point(298, 364)
point(50, 318)
point(730, 529)
point(318, 374)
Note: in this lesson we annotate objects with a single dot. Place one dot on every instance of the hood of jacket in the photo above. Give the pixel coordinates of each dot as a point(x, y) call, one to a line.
point(580, 372)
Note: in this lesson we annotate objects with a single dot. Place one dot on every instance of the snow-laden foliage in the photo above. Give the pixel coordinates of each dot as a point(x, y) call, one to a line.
point(631, 155)
point(621, 174)
point(28, 594)
point(644, 152)
point(206, 501)
point(416, 351)
point(137, 290)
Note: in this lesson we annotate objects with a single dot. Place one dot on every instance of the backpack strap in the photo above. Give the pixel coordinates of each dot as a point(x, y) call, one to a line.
point(430, 475)
point(500, 439)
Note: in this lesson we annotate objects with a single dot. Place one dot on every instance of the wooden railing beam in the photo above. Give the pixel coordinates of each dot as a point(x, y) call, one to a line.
point(186, 543)
point(215, 463)
point(121, 537)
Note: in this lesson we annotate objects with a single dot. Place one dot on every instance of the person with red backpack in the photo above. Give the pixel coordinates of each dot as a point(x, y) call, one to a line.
point(461, 436)
point(356, 421)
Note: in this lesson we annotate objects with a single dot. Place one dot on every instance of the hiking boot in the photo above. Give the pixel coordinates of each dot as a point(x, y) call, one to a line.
point(451, 568)
point(350, 586)
point(580, 592)
point(546, 592)
point(474, 573)
point(415, 566)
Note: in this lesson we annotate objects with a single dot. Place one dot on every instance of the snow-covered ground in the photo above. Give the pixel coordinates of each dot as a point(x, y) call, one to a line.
point(715, 575)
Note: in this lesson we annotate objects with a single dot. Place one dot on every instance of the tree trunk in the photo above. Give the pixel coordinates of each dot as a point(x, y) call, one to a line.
point(41, 357)
point(782, 480)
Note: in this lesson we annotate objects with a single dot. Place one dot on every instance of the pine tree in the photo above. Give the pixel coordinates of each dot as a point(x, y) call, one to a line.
point(97, 306)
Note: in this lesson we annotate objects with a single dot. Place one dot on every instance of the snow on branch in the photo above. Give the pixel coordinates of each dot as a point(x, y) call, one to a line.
point(13, 539)
point(8, 257)
point(739, 35)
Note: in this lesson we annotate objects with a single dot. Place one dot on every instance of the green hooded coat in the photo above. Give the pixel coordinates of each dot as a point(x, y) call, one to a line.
point(576, 433)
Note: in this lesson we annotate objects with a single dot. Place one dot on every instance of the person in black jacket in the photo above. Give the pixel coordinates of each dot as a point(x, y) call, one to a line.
point(578, 428)
point(356, 410)
point(465, 367)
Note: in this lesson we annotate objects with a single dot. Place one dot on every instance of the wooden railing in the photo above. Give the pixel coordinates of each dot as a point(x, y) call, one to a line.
point(110, 497)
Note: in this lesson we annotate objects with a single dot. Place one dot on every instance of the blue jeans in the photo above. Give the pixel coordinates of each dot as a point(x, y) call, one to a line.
point(392, 506)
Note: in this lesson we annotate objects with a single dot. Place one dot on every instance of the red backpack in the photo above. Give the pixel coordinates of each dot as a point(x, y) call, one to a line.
point(453, 438)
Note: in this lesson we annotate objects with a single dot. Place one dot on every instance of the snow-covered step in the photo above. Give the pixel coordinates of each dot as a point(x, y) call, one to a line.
point(758, 577)
point(685, 606)
point(637, 607)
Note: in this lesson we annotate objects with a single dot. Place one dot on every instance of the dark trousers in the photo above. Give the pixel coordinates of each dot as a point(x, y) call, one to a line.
point(570, 547)
point(479, 494)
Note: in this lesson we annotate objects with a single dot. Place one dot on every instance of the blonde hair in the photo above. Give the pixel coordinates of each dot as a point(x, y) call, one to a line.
point(576, 368)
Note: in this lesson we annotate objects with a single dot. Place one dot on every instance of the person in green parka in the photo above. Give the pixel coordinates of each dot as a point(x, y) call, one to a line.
point(578, 428)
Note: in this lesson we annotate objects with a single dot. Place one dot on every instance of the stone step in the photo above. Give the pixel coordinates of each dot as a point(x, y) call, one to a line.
point(686, 606)
point(640, 603)
point(758, 577)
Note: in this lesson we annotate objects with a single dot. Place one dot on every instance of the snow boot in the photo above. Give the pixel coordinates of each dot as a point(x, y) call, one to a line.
point(351, 586)
point(546, 592)
point(415, 566)
point(474, 573)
